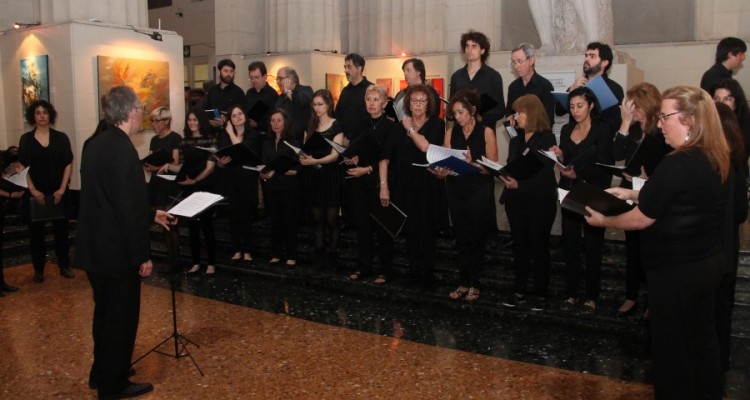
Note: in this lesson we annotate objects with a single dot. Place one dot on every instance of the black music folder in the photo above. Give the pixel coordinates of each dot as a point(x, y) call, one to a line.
point(191, 168)
point(586, 194)
point(240, 154)
point(519, 169)
point(579, 162)
point(390, 218)
point(158, 158)
point(648, 154)
point(365, 146)
point(316, 144)
point(45, 212)
point(280, 165)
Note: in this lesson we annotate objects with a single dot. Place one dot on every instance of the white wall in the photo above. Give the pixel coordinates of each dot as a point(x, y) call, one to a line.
point(72, 49)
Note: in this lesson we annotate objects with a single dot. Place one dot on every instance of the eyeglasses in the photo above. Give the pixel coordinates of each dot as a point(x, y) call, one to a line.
point(663, 117)
point(280, 78)
point(725, 99)
point(154, 120)
point(514, 63)
point(418, 101)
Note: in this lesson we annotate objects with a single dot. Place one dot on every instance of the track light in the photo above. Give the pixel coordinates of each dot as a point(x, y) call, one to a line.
point(19, 25)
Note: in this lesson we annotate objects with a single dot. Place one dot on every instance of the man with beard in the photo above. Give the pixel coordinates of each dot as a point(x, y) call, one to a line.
point(350, 109)
point(220, 97)
point(597, 61)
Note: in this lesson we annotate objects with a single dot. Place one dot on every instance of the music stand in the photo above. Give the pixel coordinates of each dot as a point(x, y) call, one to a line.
point(180, 341)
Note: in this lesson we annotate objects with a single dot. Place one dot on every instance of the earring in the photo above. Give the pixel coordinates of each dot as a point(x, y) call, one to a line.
point(687, 137)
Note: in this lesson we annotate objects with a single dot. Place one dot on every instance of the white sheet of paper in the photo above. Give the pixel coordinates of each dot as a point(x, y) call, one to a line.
point(437, 153)
point(296, 150)
point(638, 183)
point(561, 193)
point(399, 107)
point(511, 131)
point(167, 177)
point(208, 149)
point(339, 148)
point(194, 204)
point(251, 168)
point(490, 164)
point(19, 178)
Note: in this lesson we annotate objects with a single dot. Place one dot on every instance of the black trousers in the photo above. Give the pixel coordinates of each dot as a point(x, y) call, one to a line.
point(634, 274)
point(684, 347)
point(241, 189)
point(365, 193)
point(417, 201)
point(725, 300)
point(38, 248)
point(117, 304)
point(573, 227)
point(469, 207)
point(283, 207)
point(530, 219)
point(2, 227)
point(204, 223)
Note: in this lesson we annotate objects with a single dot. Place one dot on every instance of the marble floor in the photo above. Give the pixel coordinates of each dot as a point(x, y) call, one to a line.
point(261, 339)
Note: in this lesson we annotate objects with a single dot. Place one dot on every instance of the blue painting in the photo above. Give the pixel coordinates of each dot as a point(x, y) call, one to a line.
point(34, 80)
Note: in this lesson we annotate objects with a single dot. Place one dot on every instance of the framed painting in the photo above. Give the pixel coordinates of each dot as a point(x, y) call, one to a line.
point(149, 79)
point(335, 83)
point(387, 83)
point(34, 80)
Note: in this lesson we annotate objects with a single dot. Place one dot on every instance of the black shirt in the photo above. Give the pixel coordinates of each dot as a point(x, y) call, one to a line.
point(477, 145)
point(540, 87)
point(601, 138)
point(224, 98)
point(168, 143)
point(611, 116)
point(351, 109)
point(542, 183)
point(402, 152)
point(47, 163)
point(268, 96)
point(687, 200)
point(713, 76)
point(273, 150)
point(298, 108)
point(486, 80)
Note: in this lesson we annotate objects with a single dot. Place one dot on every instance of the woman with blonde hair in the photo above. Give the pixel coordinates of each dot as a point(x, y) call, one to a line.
point(681, 212)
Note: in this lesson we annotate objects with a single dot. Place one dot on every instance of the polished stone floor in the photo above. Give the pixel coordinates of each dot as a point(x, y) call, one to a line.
point(264, 340)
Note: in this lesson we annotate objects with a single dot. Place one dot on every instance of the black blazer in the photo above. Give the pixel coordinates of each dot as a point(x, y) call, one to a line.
point(114, 219)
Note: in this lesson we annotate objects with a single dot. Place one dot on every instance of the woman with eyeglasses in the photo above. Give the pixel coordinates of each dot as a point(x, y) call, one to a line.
point(412, 188)
point(681, 213)
point(730, 92)
point(639, 113)
point(160, 190)
point(585, 131)
point(468, 194)
point(48, 155)
point(239, 185)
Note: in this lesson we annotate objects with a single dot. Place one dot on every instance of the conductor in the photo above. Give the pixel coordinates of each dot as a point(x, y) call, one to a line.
point(113, 242)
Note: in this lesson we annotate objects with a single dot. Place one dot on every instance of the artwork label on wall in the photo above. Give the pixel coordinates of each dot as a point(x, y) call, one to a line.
point(149, 79)
point(34, 80)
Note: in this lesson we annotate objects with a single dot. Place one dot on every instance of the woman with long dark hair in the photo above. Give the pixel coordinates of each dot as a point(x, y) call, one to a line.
point(47, 153)
point(239, 185)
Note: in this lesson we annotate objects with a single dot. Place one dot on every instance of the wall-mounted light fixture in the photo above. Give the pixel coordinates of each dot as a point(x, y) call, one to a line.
point(19, 25)
point(153, 35)
point(327, 51)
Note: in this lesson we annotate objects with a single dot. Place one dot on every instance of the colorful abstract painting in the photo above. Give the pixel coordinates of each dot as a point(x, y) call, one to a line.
point(149, 80)
point(34, 80)
point(387, 83)
point(335, 83)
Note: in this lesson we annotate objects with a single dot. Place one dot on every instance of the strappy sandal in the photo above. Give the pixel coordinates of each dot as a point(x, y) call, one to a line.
point(458, 293)
point(380, 280)
point(355, 276)
point(472, 295)
point(291, 263)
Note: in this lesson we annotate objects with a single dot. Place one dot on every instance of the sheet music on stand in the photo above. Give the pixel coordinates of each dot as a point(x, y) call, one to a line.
point(195, 204)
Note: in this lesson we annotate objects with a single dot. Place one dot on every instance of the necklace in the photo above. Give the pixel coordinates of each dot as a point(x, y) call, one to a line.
point(375, 124)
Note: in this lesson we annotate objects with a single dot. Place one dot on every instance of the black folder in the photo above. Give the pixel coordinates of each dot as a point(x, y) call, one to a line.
point(240, 154)
point(158, 158)
point(648, 154)
point(390, 218)
point(257, 111)
point(280, 165)
point(364, 146)
point(316, 146)
point(519, 169)
point(586, 194)
point(47, 212)
point(192, 167)
point(390, 111)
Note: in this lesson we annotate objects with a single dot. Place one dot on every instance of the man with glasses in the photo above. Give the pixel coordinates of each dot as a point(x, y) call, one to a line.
point(260, 91)
point(730, 54)
point(220, 97)
point(295, 100)
point(350, 109)
point(522, 61)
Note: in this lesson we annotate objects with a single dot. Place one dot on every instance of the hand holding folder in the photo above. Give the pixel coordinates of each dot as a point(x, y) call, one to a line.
point(451, 159)
point(586, 194)
point(239, 154)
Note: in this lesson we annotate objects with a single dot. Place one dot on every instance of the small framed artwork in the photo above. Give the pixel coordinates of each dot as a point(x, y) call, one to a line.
point(34, 80)
point(335, 83)
point(387, 83)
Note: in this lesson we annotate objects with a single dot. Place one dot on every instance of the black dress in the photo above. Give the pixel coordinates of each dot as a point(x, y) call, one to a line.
point(322, 186)
point(282, 195)
point(196, 159)
point(161, 191)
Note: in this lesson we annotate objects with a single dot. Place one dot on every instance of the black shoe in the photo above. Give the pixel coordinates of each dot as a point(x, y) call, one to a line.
point(132, 390)
point(539, 304)
point(67, 273)
point(514, 300)
point(92, 381)
point(8, 288)
point(38, 278)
